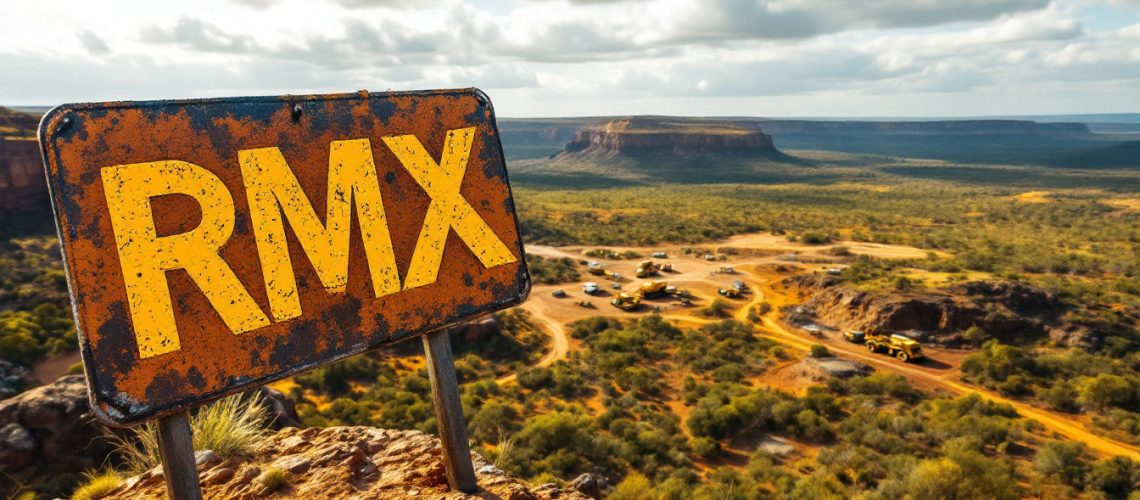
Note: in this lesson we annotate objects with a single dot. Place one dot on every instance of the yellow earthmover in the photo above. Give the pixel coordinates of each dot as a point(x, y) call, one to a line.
point(653, 289)
point(904, 348)
point(627, 301)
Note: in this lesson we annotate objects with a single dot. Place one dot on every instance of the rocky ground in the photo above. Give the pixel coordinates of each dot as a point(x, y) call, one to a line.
point(1006, 310)
point(343, 462)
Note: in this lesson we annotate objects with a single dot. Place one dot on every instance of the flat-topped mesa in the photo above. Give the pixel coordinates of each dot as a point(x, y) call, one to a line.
point(663, 135)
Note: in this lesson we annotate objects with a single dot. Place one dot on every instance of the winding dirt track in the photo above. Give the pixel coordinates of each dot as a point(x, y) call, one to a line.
point(560, 344)
point(939, 372)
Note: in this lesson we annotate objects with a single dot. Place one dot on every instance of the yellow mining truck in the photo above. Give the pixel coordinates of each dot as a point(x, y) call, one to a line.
point(627, 301)
point(899, 346)
point(647, 269)
point(653, 289)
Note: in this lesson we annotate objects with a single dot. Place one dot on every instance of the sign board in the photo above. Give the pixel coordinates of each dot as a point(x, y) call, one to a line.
point(214, 245)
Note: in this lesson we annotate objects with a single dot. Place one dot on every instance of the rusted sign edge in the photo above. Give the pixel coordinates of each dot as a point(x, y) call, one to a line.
point(56, 122)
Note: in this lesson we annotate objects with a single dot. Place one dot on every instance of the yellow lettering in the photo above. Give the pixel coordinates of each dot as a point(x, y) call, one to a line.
point(272, 188)
point(145, 257)
point(448, 209)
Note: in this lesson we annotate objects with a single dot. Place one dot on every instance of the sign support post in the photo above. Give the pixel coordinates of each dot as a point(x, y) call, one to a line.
point(175, 444)
point(449, 412)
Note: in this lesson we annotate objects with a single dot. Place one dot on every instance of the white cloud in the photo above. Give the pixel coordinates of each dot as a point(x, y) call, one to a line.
point(543, 57)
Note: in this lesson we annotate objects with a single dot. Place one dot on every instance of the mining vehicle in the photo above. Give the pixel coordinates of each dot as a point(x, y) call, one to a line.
point(899, 346)
point(855, 336)
point(653, 289)
point(627, 301)
point(646, 269)
point(596, 269)
point(731, 293)
point(559, 293)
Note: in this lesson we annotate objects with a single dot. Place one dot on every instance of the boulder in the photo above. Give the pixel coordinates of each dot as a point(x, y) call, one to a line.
point(476, 329)
point(281, 409)
point(591, 485)
point(14, 379)
point(50, 431)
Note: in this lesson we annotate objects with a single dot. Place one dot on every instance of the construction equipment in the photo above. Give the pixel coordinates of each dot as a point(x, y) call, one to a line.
point(739, 286)
point(855, 336)
point(627, 301)
point(899, 346)
point(587, 304)
point(652, 289)
point(559, 293)
point(731, 293)
point(590, 288)
point(595, 268)
point(728, 270)
point(646, 269)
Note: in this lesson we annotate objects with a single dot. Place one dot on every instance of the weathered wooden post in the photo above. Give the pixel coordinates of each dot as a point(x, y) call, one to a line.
point(449, 412)
point(176, 445)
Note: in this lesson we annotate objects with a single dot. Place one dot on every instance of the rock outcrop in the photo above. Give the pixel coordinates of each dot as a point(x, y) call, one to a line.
point(1009, 311)
point(49, 430)
point(13, 379)
point(343, 462)
point(641, 135)
point(23, 190)
point(476, 329)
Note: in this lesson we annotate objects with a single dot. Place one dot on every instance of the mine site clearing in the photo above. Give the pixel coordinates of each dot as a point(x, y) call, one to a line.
point(762, 261)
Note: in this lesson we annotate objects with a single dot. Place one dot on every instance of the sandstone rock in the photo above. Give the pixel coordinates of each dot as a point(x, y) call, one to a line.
point(476, 330)
point(1072, 335)
point(591, 485)
point(822, 369)
point(658, 135)
point(282, 411)
point(1004, 310)
point(14, 379)
point(63, 434)
point(348, 462)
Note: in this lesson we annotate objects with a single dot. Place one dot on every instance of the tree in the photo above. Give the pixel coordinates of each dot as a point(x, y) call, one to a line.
point(1064, 460)
point(1116, 476)
point(1104, 390)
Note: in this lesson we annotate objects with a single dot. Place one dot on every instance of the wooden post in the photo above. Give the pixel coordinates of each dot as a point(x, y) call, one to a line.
point(175, 444)
point(449, 412)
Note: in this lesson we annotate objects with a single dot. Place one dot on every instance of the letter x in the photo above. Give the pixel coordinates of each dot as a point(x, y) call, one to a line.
point(448, 209)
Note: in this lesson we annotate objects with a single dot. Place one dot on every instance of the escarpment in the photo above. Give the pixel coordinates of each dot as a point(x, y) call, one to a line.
point(636, 136)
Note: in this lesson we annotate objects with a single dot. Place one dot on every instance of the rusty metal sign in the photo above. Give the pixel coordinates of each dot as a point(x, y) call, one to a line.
point(215, 245)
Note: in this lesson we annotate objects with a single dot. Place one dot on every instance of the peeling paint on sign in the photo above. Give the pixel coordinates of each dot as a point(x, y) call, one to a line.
point(215, 245)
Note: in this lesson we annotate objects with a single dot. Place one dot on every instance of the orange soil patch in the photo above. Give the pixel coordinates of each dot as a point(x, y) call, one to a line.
point(1127, 204)
point(1035, 197)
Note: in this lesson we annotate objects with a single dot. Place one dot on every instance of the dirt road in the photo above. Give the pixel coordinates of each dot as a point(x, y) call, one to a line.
point(702, 278)
point(559, 342)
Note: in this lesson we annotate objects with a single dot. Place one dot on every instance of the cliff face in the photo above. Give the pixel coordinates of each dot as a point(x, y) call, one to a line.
point(22, 185)
point(634, 136)
point(935, 127)
point(343, 462)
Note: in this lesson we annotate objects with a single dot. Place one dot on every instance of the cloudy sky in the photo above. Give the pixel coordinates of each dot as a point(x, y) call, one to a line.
point(593, 57)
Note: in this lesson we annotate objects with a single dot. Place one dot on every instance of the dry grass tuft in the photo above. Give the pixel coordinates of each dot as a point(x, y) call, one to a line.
point(230, 427)
point(97, 484)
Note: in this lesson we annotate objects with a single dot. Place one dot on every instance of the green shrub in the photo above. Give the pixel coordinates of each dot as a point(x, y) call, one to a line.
point(820, 351)
point(718, 308)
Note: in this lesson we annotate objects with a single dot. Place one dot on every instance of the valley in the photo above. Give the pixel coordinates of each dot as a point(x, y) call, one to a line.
point(1019, 278)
